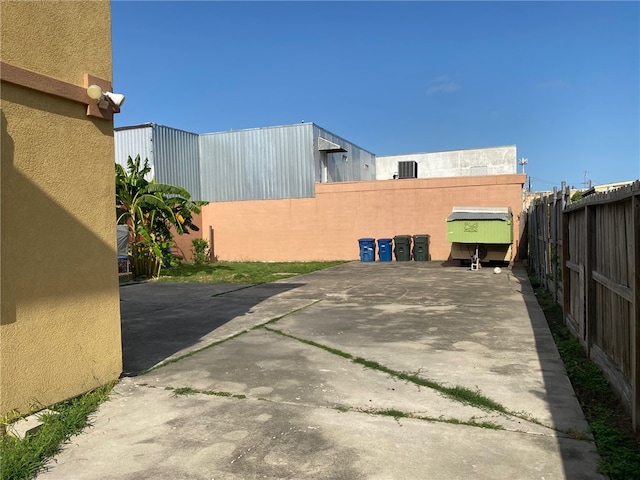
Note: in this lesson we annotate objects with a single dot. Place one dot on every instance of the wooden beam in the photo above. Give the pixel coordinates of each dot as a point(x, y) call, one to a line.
point(576, 267)
point(52, 86)
point(620, 290)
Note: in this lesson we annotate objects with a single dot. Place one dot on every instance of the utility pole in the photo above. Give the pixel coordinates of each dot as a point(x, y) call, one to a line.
point(523, 162)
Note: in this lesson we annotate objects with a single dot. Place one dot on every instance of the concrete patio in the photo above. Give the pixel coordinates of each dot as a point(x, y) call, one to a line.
point(345, 373)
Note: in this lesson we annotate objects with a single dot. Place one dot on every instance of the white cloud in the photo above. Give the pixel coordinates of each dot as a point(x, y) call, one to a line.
point(442, 84)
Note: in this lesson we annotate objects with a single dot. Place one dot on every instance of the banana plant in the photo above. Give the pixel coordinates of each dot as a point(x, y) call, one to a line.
point(150, 210)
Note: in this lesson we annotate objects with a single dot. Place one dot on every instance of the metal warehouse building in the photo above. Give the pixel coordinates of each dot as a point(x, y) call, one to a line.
point(253, 164)
point(308, 194)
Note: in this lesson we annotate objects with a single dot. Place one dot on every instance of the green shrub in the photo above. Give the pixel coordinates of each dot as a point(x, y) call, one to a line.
point(200, 250)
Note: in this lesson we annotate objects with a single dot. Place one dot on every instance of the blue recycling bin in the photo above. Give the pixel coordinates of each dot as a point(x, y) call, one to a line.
point(385, 249)
point(367, 249)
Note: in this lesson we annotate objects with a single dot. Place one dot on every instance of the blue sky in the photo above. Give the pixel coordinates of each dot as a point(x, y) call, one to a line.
point(561, 80)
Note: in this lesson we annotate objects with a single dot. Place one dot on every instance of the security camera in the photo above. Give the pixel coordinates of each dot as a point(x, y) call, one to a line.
point(116, 98)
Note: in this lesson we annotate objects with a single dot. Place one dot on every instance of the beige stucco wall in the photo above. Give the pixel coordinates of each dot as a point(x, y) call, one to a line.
point(60, 324)
point(328, 226)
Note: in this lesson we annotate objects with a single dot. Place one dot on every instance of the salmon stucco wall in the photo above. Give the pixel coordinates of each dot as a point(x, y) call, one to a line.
point(183, 247)
point(328, 226)
point(60, 323)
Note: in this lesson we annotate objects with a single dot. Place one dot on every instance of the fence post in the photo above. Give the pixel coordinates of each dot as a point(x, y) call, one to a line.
point(566, 276)
point(590, 233)
point(533, 237)
point(547, 242)
point(535, 240)
point(635, 315)
point(562, 238)
point(212, 249)
point(553, 244)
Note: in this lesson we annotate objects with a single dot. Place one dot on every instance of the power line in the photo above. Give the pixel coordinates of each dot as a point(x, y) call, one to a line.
point(545, 181)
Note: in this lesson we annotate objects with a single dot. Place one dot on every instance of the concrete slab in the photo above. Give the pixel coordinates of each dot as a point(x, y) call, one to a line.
point(29, 425)
point(292, 372)
point(263, 382)
point(161, 321)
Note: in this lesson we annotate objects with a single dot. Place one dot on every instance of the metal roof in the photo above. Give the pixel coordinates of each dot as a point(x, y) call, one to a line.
point(480, 213)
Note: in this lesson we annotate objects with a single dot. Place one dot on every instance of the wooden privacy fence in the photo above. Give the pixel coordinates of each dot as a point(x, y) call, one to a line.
point(545, 240)
point(587, 254)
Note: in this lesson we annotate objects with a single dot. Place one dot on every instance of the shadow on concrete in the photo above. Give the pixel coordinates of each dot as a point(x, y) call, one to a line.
point(161, 319)
point(559, 394)
point(450, 263)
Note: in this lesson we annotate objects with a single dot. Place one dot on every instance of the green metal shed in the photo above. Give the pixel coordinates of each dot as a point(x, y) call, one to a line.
point(490, 229)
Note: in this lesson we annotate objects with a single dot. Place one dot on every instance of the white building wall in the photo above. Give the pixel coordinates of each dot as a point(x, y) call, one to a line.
point(453, 163)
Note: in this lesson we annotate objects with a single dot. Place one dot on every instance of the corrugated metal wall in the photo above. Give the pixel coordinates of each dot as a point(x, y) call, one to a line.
point(258, 164)
point(173, 154)
point(133, 141)
point(177, 158)
point(254, 164)
point(353, 165)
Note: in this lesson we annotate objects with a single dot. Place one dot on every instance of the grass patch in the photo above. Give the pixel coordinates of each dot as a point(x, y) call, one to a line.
point(193, 391)
point(617, 443)
point(240, 272)
point(22, 459)
point(461, 394)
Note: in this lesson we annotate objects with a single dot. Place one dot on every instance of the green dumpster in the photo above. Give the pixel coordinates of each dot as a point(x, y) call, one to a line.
point(421, 248)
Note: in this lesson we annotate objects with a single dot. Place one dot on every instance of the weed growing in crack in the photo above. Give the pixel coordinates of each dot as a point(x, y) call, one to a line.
point(397, 414)
point(190, 354)
point(193, 391)
point(392, 412)
point(276, 319)
point(184, 391)
point(461, 394)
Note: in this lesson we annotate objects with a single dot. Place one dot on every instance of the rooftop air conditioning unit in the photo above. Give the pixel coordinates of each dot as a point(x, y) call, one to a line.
point(408, 169)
